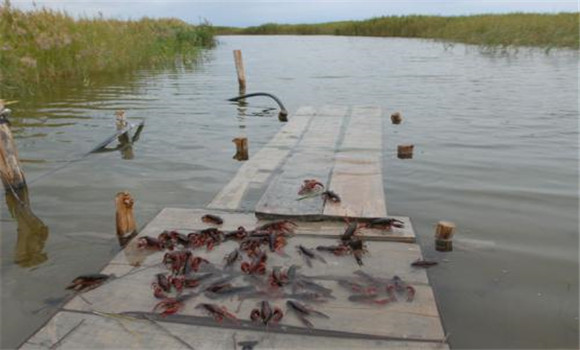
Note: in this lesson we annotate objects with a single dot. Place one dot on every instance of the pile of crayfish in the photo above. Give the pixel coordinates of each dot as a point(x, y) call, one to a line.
point(188, 271)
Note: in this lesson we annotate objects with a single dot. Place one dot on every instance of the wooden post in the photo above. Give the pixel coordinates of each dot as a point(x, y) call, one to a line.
point(240, 71)
point(241, 148)
point(120, 119)
point(126, 224)
point(10, 169)
point(443, 236)
point(405, 151)
point(396, 118)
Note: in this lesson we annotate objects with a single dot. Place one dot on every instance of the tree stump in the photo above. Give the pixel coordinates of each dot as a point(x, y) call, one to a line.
point(396, 118)
point(443, 236)
point(125, 218)
point(241, 148)
point(405, 151)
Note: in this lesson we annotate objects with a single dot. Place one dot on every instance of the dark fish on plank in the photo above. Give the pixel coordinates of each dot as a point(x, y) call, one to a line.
point(212, 219)
point(423, 263)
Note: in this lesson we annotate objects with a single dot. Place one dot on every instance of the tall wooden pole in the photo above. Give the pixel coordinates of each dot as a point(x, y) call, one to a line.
point(240, 70)
point(10, 169)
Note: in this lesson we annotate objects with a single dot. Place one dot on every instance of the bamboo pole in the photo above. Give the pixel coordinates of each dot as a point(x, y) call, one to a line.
point(125, 218)
point(443, 236)
point(405, 151)
point(240, 70)
point(10, 169)
point(241, 148)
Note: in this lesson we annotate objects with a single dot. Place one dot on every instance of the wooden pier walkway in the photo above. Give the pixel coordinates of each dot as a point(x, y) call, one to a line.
point(339, 146)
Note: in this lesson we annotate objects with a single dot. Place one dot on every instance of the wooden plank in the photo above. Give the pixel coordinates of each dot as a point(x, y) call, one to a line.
point(312, 159)
point(130, 291)
point(190, 219)
point(418, 319)
point(105, 332)
point(357, 175)
point(256, 171)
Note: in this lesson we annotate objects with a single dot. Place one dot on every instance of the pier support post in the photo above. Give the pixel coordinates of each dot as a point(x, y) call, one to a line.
point(10, 169)
point(405, 151)
point(443, 236)
point(125, 218)
point(241, 148)
point(240, 70)
point(396, 118)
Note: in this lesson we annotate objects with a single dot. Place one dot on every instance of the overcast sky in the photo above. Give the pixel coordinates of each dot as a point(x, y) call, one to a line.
point(248, 13)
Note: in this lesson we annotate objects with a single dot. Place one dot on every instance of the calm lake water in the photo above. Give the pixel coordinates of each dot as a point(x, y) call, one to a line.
point(496, 151)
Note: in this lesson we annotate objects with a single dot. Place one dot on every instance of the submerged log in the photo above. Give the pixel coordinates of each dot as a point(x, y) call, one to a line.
point(10, 169)
point(125, 218)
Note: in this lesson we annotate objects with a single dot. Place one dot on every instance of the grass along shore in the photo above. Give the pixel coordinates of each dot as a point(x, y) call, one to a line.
point(42, 47)
point(502, 30)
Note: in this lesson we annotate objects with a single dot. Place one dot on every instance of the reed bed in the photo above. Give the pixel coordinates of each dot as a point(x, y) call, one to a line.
point(41, 47)
point(499, 30)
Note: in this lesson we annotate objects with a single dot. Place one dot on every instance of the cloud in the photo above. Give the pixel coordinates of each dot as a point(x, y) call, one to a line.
point(246, 13)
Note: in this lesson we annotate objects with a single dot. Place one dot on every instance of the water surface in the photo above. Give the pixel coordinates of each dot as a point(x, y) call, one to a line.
point(496, 140)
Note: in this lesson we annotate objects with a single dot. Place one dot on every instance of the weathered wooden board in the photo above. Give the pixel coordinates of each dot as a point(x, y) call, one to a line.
point(255, 172)
point(312, 159)
point(416, 322)
point(190, 219)
point(418, 319)
point(93, 331)
point(357, 175)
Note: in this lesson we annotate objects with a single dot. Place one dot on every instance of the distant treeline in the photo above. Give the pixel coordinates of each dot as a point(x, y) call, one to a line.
point(42, 46)
point(516, 29)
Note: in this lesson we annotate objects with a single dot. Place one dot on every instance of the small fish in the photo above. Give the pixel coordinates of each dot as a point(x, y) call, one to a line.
point(423, 263)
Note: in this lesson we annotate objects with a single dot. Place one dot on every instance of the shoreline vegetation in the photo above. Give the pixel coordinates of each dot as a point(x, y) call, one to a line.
point(546, 31)
point(42, 47)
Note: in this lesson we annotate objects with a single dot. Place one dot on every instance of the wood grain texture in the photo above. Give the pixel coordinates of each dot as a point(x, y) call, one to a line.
point(357, 176)
point(256, 172)
point(104, 332)
point(131, 291)
point(311, 159)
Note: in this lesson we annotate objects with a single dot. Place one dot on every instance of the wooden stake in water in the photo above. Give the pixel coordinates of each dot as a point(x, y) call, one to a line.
point(240, 71)
point(10, 169)
point(125, 218)
point(443, 236)
point(405, 151)
point(396, 118)
point(241, 148)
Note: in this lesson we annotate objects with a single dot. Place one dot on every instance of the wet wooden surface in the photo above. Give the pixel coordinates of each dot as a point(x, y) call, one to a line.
point(92, 319)
point(313, 158)
point(255, 173)
point(339, 146)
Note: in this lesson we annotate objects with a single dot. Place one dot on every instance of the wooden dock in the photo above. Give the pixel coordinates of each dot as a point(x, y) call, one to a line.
point(339, 146)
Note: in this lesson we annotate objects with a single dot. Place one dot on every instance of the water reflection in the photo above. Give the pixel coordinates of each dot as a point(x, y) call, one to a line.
point(32, 232)
point(125, 145)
